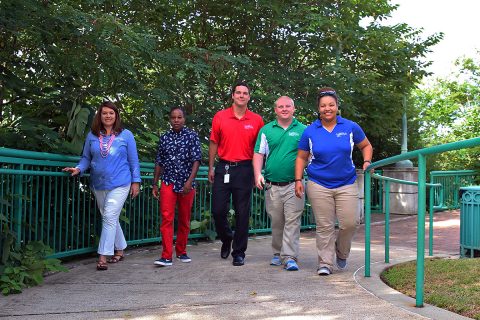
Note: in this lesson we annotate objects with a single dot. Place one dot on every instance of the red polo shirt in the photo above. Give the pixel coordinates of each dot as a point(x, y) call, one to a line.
point(235, 137)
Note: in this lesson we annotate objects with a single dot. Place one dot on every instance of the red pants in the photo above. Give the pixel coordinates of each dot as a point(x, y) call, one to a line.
point(168, 201)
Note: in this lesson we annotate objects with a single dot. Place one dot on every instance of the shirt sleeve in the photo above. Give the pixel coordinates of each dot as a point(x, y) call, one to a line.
point(215, 134)
point(303, 144)
point(196, 151)
point(358, 134)
point(261, 146)
point(160, 154)
point(86, 158)
point(132, 157)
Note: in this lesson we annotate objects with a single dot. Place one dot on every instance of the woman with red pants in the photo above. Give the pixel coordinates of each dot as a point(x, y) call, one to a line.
point(177, 163)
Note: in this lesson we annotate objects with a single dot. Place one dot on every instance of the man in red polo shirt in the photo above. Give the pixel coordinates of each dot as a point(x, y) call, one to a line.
point(234, 132)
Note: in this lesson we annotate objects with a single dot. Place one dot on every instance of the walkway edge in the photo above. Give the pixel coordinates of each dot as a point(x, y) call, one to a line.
point(375, 286)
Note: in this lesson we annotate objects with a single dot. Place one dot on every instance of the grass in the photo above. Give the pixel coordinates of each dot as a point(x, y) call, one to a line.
point(452, 284)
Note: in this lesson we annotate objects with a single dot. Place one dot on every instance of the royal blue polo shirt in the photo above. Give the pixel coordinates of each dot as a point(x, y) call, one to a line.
point(331, 163)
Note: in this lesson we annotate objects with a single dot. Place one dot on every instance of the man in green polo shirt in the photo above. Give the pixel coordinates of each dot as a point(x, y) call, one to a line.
point(277, 141)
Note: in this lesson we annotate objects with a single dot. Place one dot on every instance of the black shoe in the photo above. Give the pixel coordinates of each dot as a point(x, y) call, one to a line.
point(238, 261)
point(226, 247)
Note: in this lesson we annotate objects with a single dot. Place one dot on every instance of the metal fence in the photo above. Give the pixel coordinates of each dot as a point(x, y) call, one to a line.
point(39, 202)
point(451, 182)
point(422, 200)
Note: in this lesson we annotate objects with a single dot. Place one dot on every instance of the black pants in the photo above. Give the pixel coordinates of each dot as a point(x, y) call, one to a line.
point(240, 188)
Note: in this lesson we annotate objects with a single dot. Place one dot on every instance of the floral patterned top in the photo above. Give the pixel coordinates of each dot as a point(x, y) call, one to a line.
point(177, 151)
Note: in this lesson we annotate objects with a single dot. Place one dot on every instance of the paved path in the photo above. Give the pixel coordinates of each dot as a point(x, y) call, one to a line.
point(211, 288)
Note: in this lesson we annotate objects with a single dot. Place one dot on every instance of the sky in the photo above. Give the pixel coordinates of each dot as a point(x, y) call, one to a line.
point(459, 20)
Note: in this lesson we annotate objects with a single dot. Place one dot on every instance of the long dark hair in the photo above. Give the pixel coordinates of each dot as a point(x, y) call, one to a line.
point(97, 125)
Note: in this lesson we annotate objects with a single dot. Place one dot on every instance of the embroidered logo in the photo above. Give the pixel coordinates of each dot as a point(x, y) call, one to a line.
point(293, 134)
point(339, 134)
point(248, 127)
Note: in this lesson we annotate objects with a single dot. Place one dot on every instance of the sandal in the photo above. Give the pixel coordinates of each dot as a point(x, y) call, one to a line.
point(102, 266)
point(116, 258)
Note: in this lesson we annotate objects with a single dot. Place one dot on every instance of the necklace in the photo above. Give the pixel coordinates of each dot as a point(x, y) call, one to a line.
point(105, 147)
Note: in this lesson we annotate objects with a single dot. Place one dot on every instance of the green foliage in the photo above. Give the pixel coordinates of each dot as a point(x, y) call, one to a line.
point(61, 58)
point(24, 266)
point(448, 110)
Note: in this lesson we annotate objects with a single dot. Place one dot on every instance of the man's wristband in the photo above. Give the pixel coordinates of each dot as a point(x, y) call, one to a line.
point(298, 180)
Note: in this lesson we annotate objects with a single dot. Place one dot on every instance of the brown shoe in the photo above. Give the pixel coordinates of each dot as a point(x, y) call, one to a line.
point(102, 266)
point(116, 258)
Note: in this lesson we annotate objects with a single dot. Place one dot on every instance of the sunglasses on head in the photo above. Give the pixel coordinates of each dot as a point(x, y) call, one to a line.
point(327, 93)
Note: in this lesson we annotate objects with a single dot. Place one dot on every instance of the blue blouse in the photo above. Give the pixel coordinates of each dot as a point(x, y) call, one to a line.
point(177, 151)
point(119, 168)
point(331, 164)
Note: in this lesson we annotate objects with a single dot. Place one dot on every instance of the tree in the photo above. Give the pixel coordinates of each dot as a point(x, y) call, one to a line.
point(61, 61)
point(448, 111)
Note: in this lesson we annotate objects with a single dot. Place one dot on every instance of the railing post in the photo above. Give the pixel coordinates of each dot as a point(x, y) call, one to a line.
point(430, 221)
point(368, 199)
point(18, 206)
point(387, 221)
point(420, 279)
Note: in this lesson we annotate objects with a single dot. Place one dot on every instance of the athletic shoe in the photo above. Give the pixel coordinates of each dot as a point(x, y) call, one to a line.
point(324, 271)
point(341, 263)
point(184, 258)
point(276, 261)
point(163, 262)
point(291, 265)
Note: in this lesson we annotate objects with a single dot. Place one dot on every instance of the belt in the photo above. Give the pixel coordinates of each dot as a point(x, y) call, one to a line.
point(237, 163)
point(280, 184)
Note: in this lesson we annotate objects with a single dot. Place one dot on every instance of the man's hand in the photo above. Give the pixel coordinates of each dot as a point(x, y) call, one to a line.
point(259, 181)
point(211, 174)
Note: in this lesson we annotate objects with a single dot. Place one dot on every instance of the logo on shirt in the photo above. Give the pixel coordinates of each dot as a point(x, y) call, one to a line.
point(339, 134)
point(293, 134)
point(248, 127)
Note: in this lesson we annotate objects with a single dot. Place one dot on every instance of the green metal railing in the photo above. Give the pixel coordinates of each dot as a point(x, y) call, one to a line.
point(42, 203)
point(451, 182)
point(422, 185)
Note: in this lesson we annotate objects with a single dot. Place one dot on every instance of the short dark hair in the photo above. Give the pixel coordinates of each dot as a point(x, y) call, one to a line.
point(242, 83)
point(97, 125)
point(178, 108)
point(327, 91)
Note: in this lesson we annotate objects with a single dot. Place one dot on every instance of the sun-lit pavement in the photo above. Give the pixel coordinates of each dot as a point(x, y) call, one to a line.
point(211, 288)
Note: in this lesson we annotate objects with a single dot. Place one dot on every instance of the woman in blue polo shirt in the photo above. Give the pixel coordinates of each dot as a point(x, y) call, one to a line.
point(327, 146)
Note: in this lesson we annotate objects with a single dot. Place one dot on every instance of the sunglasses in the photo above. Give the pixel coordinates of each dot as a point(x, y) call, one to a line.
point(327, 93)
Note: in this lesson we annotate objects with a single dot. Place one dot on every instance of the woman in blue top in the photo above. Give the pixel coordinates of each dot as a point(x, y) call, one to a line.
point(327, 146)
point(111, 154)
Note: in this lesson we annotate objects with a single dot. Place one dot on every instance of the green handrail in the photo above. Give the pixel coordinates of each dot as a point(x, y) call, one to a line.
point(421, 156)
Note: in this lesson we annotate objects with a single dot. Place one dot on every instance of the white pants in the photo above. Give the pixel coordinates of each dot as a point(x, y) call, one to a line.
point(110, 204)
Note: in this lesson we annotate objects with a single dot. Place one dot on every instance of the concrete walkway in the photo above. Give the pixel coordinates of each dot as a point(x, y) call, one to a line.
point(211, 288)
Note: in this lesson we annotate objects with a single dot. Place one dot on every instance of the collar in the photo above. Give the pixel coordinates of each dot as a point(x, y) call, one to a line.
point(182, 131)
point(318, 122)
point(294, 123)
point(246, 116)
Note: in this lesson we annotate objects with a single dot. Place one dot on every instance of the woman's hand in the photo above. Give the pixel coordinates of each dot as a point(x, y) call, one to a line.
point(155, 192)
point(299, 189)
point(187, 187)
point(73, 171)
point(134, 189)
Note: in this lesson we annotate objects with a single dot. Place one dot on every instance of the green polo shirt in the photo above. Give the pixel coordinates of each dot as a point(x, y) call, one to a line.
point(280, 147)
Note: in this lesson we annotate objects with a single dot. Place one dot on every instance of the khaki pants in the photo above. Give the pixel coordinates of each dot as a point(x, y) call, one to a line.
point(329, 205)
point(285, 211)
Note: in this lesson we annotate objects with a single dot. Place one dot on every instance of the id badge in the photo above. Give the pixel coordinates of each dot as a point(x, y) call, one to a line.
point(226, 178)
